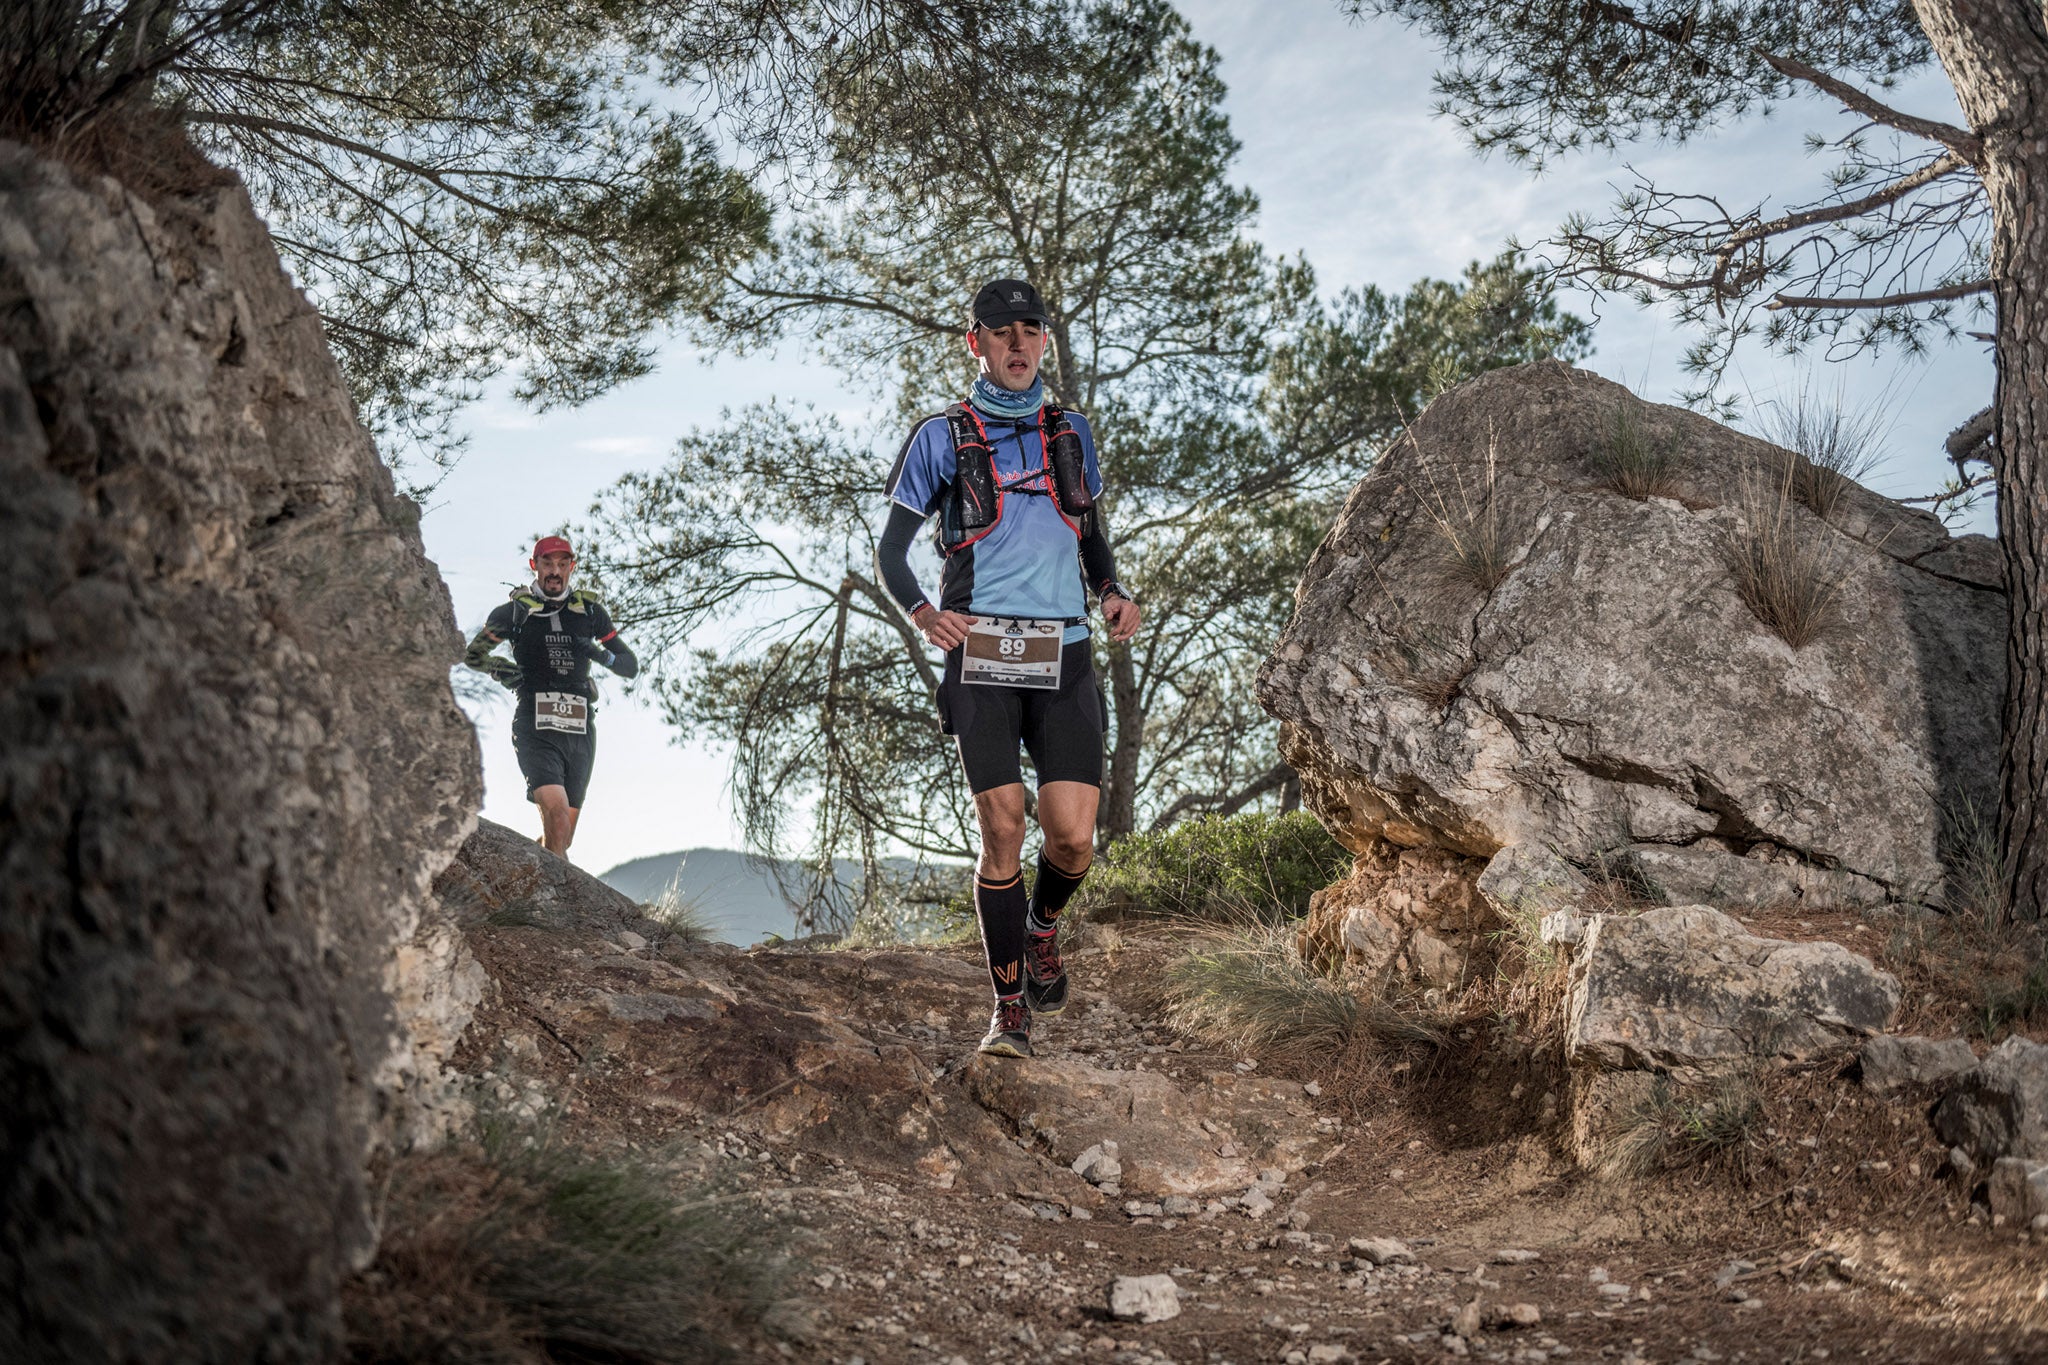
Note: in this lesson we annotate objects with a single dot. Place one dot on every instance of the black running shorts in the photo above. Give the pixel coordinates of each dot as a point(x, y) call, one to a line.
point(552, 759)
point(1062, 730)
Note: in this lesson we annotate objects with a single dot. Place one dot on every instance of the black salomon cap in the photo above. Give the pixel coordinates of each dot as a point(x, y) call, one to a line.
point(1002, 302)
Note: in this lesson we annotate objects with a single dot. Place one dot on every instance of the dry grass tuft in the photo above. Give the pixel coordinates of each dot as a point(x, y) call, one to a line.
point(1831, 446)
point(1675, 1128)
point(1252, 992)
point(1789, 574)
point(1473, 544)
point(1960, 973)
point(683, 916)
point(1631, 462)
point(1971, 967)
point(522, 1248)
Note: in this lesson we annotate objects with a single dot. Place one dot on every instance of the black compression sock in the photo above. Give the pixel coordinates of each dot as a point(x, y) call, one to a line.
point(1050, 893)
point(1000, 906)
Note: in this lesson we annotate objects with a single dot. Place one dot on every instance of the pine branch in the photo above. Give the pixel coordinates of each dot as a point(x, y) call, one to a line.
point(1948, 291)
point(1962, 142)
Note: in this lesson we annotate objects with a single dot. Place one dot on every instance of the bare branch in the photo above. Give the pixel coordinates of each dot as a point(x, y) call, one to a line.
point(258, 124)
point(1961, 141)
point(1951, 291)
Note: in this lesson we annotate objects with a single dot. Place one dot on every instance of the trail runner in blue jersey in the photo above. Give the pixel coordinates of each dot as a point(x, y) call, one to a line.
point(1013, 482)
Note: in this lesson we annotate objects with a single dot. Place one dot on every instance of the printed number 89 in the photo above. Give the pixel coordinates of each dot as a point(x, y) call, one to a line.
point(1012, 649)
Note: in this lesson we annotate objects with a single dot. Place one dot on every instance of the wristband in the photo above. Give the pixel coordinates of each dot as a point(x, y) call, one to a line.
point(921, 607)
point(1112, 588)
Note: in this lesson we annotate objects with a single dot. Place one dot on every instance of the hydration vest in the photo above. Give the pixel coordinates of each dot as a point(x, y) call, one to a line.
point(975, 504)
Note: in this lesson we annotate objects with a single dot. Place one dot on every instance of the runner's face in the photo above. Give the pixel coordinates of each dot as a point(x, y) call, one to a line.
point(551, 572)
point(1010, 354)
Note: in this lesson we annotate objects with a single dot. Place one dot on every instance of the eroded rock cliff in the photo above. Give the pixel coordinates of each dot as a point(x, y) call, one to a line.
point(232, 767)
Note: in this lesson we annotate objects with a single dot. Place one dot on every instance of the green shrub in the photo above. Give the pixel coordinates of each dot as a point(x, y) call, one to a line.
point(1255, 868)
point(522, 1247)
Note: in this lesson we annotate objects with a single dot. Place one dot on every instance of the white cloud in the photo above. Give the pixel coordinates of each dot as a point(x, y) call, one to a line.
point(619, 445)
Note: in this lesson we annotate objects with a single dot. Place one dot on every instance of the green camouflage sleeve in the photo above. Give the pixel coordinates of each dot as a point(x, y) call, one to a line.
point(483, 657)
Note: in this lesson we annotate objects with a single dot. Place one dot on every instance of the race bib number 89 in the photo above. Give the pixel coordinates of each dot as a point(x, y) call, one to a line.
point(1006, 651)
point(566, 712)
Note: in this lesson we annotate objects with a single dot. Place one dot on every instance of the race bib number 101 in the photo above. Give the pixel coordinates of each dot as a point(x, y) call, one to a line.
point(1006, 651)
point(566, 712)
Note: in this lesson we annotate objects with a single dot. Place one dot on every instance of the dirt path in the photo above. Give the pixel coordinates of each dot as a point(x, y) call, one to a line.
point(838, 1092)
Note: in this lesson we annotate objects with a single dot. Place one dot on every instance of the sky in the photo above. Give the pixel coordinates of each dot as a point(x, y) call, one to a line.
point(1351, 168)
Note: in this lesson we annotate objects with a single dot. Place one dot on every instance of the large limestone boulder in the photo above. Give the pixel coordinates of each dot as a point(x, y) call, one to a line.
point(232, 766)
point(1611, 695)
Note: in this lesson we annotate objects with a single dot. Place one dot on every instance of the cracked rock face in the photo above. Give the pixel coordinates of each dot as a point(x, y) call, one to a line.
point(232, 765)
point(1611, 691)
point(1688, 989)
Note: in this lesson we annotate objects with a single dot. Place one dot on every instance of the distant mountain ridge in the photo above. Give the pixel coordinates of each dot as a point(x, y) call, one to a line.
point(740, 902)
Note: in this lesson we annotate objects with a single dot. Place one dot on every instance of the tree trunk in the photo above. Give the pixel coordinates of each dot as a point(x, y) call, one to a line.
point(1118, 813)
point(1996, 55)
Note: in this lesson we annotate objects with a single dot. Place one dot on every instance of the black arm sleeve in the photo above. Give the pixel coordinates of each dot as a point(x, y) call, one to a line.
point(892, 558)
point(609, 648)
point(1098, 562)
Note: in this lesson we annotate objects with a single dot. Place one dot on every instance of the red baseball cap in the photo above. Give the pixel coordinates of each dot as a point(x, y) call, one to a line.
point(552, 545)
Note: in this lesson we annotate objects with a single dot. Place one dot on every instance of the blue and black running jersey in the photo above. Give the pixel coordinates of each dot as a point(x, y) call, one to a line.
point(1028, 565)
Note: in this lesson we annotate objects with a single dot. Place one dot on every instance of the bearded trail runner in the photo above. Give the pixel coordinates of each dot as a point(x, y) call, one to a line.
point(555, 634)
point(1013, 483)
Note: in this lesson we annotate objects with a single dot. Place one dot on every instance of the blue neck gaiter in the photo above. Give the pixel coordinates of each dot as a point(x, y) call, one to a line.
point(997, 401)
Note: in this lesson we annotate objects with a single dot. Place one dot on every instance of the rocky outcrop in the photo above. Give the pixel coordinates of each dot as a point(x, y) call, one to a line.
point(501, 877)
point(233, 765)
point(1890, 1065)
point(1600, 688)
point(1408, 912)
point(1689, 989)
point(2000, 1108)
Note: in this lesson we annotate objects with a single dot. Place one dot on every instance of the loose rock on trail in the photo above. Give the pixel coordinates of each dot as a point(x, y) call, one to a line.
point(946, 1207)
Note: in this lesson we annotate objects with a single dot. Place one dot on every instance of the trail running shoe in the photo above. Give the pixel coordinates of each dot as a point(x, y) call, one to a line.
point(1009, 1030)
point(1045, 980)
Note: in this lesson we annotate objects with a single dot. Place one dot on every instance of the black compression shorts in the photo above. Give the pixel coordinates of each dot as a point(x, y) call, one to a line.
point(549, 758)
point(1062, 730)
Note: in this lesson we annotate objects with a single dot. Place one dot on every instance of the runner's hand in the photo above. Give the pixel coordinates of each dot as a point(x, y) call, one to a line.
point(1122, 615)
point(946, 629)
